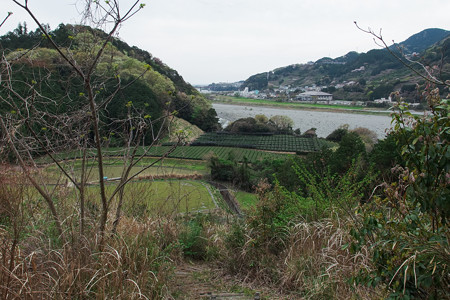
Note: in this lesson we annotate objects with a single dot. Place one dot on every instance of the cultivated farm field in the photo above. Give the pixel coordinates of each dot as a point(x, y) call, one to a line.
point(276, 142)
point(181, 152)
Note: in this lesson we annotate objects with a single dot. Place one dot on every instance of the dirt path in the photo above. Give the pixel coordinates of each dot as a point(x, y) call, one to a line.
point(201, 281)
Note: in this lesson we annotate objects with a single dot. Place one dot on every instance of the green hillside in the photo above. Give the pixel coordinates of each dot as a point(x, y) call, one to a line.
point(363, 76)
point(147, 84)
point(423, 40)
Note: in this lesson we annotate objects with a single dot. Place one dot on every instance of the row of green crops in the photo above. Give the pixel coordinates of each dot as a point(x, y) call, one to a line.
point(282, 143)
point(203, 152)
point(183, 152)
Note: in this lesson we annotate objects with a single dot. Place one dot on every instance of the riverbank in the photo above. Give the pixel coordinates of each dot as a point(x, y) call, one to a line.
point(299, 106)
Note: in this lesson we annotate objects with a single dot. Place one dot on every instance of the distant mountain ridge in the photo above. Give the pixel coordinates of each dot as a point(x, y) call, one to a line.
point(423, 40)
point(361, 76)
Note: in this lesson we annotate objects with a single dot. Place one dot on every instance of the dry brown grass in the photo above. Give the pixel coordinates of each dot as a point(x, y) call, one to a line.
point(126, 269)
point(135, 263)
point(306, 260)
point(317, 263)
point(313, 262)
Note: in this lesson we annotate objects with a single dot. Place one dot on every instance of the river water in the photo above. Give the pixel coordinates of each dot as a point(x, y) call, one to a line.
point(324, 121)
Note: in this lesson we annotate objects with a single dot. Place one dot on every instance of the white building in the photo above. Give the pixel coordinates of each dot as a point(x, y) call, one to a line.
point(314, 96)
point(245, 93)
point(383, 100)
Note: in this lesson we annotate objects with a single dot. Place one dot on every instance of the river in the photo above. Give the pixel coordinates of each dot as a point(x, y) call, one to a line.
point(324, 121)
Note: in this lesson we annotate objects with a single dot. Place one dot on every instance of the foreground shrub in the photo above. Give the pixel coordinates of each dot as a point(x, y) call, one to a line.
point(313, 261)
point(275, 246)
point(196, 236)
point(192, 239)
point(407, 225)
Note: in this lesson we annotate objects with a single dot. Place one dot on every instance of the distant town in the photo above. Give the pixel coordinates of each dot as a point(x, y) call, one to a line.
point(287, 93)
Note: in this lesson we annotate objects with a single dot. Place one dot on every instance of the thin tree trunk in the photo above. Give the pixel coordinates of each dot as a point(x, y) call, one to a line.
point(101, 175)
point(82, 192)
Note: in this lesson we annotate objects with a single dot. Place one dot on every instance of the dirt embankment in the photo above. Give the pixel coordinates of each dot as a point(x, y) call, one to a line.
point(228, 197)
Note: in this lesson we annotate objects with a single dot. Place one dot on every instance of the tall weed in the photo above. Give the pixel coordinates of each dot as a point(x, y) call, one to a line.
point(135, 263)
point(291, 245)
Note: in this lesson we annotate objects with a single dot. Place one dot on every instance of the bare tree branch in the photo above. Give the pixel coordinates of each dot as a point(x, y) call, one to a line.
point(379, 40)
point(45, 120)
point(6, 18)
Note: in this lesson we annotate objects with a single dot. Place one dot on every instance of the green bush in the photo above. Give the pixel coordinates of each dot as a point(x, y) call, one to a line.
point(326, 192)
point(350, 147)
point(231, 170)
point(407, 226)
point(386, 153)
point(196, 237)
point(235, 238)
point(337, 135)
point(193, 240)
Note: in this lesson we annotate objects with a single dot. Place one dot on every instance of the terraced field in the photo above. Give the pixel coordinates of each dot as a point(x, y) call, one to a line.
point(181, 152)
point(157, 196)
point(278, 142)
point(203, 152)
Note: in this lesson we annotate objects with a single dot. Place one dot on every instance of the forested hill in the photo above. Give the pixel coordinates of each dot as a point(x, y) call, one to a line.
point(364, 76)
point(423, 40)
point(159, 86)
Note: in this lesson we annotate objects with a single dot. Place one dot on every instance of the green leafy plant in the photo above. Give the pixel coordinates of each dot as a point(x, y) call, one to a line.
point(193, 238)
point(407, 226)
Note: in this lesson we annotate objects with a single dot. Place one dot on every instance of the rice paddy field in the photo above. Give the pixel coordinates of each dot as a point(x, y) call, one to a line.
point(166, 187)
point(145, 197)
point(246, 200)
point(113, 169)
point(156, 191)
point(168, 197)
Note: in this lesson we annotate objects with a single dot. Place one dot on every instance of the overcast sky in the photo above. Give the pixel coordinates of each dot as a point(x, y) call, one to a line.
point(228, 40)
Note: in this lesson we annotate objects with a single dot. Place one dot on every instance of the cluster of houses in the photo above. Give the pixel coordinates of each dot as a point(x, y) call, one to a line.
point(312, 94)
point(309, 95)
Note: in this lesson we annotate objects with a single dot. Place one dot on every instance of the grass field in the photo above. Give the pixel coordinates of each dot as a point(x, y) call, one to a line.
point(294, 105)
point(246, 200)
point(159, 197)
point(113, 168)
